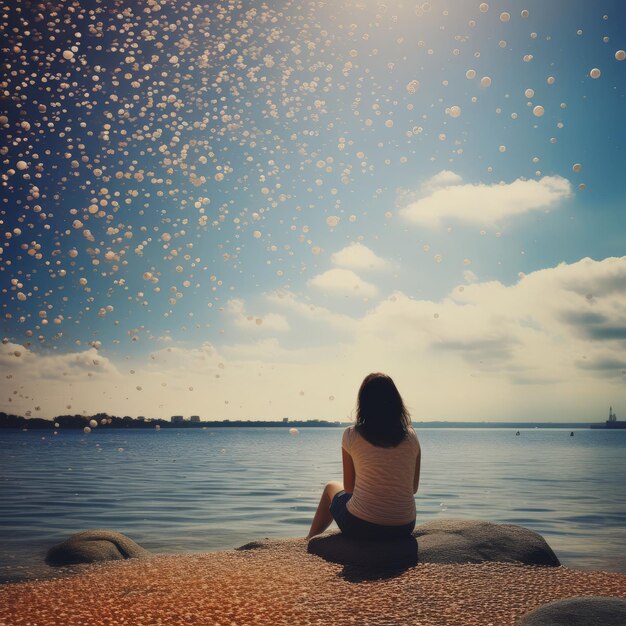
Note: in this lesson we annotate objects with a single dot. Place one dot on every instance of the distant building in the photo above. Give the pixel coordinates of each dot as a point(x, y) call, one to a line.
point(285, 420)
point(194, 418)
point(177, 419)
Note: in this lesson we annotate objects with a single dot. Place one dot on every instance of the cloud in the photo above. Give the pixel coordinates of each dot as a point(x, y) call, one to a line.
point(613, 364)
point(444, 178)
point(531, 350)
point(356, 256)
point(271, 322)
point(66, 367)
point(343, 282)
point(482, 203)
point(289, 302)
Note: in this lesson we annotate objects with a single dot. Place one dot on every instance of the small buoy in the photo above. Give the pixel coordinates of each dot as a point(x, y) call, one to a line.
point(517, 433)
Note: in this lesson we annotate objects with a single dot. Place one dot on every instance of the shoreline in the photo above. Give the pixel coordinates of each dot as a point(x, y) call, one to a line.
point(279, 582)
point(42, 572)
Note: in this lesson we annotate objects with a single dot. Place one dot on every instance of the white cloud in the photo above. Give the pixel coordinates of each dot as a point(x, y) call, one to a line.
point(444, 178)
point(481, 203)
point(343, 282)
point(271, 322)
point(356, 256)
point(549, 347)
point(51, 366)
point(315, 313)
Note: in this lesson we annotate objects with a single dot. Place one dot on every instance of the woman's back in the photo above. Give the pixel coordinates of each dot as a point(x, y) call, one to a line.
point(383, 489)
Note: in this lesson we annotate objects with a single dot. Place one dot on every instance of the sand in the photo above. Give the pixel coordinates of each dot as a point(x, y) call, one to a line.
point(282, 584)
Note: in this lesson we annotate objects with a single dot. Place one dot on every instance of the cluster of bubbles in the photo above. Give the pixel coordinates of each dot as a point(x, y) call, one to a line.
point(147, 147)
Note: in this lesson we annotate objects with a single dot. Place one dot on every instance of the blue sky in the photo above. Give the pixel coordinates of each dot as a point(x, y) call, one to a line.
point(252, 206)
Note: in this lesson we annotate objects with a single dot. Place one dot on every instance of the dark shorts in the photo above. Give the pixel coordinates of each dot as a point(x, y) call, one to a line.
point(356, 527)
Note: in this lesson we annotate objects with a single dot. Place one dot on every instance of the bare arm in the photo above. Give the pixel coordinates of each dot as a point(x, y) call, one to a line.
point(416, 477)
point(349, 475)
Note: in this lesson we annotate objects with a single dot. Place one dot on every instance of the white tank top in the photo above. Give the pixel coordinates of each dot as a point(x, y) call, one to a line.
point(383, 489)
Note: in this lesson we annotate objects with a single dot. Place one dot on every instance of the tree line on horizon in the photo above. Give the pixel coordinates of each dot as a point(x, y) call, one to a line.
point(104, 420)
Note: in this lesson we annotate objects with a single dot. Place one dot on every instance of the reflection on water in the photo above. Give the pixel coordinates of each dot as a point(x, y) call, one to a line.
point(199, 490)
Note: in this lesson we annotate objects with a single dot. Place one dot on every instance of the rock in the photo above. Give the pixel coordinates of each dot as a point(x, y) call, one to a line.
point(584, 611)
point(379, 554)
point(442, 541)
point(92, 546)
point(476, 541)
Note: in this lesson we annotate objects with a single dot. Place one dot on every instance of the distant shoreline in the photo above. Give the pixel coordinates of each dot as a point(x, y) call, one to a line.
point(105, 421)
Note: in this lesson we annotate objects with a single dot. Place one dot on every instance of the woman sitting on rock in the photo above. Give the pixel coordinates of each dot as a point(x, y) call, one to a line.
point(381, 469)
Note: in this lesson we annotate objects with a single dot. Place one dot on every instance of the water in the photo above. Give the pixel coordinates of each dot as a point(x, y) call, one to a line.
point(201, 490)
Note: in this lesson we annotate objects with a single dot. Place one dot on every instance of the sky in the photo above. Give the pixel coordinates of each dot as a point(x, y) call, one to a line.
point(240, 209)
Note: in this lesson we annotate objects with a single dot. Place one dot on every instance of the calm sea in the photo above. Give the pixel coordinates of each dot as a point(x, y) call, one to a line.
point(211, 489)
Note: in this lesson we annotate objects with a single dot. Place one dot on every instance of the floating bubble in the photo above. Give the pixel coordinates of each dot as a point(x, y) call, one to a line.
point(595, 73)
point(294, 431)
point(455, 111)
point(484, 7)
point(68, 54)
point(620, 55)
point(550, 80)
point(93, 423)
point(470, 74)
point(21, 165)
point(525, 13)
point(505, 17)
point(332, 220)
point(157, 427)
point(538, 111)
point(412, 86)
point(87, 430)
point(529, 93)
point(502, 148)
point(577, 167)
point(485, 81)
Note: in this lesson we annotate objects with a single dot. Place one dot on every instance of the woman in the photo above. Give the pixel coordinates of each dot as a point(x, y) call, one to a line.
point(381, 468)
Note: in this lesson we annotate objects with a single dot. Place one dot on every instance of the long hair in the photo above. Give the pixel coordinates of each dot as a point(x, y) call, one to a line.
point(381, 417)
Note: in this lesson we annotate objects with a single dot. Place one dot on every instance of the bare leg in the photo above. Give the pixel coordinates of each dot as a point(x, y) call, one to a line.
point(323, 519)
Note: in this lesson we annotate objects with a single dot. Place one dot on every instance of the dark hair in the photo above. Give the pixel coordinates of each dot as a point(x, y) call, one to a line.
point(381, 417)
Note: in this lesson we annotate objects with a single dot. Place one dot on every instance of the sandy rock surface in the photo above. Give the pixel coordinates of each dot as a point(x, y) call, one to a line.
point(280, 583)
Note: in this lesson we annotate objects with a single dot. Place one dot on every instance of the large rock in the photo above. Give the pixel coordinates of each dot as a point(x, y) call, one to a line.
point(379, 554)
point(475, 541)
point(442, 541)
point(92, 546)
point(584, 611)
